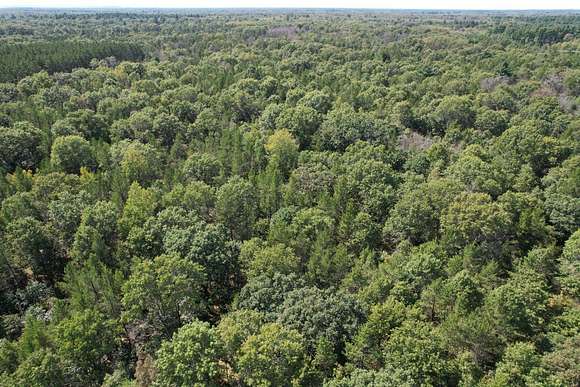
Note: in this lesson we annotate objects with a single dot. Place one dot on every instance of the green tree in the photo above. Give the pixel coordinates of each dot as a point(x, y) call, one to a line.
point(416, 352)
point(493, 121)
point(318, 100)
point(65, 214)
point(84, 341)
point(266, 293)
point(417, 214)
point(367, 182)
point(407, 272)
point(141, 203)
point(137, 162)
point(30, 246)
point(572, 81)
point(236, 326)
point(514, 368)
point(317, 313)
point(34, 337)
point(71, 153)
point(520, 306)
point(236, 207)
point(166, 127)
point(91, 284)
point(343, 127)
point(203, 167)
point(570, 266)
point(301, 121)
point(454, 110)
point(527, 143)
point(20, 146)
point(41, 369)
point(97, 234)
point(164, 293)
point(366, 347)
point(195, 196)
point(475, 171)
point(83, 122)
point(475, 335)
point(147, 240)
point(257, 258)
point(190, 358)
point(209, 246)
point(474, 219)
point(327, 265)
point(283, 150)
point(563, 196)
point(304, 229)
point(8, 357)
point(273, 341)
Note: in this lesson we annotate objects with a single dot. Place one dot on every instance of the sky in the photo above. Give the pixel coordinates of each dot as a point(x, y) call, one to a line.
point(393, 4)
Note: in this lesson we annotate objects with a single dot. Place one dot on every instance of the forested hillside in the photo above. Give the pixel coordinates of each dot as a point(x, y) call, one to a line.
point(289, 198)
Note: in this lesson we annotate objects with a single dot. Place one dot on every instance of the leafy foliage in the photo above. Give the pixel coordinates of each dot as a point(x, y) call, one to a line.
point(276, 198)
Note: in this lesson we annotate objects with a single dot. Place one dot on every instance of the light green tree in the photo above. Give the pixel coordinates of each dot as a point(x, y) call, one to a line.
point(190, 358)
point(273, 357)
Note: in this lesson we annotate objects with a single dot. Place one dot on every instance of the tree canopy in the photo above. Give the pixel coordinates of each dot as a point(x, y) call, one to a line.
point(297, 197)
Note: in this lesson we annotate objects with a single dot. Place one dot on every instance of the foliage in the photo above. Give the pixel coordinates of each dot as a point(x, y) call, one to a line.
point(164, 293)
point(305, 197)
point(84, 340)
point(191, 358)
point(71, 153)
point(23, 59)
point(272, 342)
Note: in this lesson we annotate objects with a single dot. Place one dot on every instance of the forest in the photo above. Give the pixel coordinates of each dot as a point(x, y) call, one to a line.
point(289, 198)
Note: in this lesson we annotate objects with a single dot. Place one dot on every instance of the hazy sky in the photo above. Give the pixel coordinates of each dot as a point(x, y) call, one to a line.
point(406, 4)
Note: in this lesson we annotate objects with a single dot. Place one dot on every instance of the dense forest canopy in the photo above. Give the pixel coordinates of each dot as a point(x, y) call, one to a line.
point(289, 198)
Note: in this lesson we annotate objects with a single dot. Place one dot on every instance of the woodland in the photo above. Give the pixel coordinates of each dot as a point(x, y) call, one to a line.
point(289, 198)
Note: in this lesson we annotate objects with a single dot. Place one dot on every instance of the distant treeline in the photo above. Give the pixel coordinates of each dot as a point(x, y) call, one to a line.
point(20, 60)
point(545, 33)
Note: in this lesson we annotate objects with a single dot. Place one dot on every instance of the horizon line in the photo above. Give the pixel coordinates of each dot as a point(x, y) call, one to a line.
point(289, 8)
